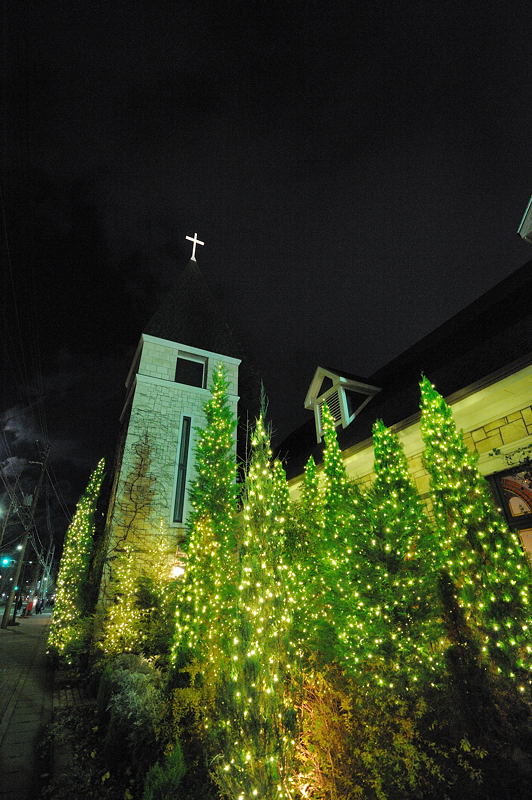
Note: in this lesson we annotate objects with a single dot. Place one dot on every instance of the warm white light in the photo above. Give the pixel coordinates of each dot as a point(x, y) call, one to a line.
point(177, 570)
point(194, 239)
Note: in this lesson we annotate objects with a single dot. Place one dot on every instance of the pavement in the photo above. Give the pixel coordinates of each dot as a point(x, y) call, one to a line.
point(26, 703)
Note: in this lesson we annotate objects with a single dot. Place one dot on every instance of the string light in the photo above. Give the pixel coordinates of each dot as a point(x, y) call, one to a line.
point(483, 557)
point(66, 629)
point(204, 611)
point(347, 577)
point(394, 622)
point(256, 724)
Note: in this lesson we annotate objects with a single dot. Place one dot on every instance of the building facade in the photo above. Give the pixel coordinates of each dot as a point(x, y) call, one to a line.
point(481, 362)
point(167, 388)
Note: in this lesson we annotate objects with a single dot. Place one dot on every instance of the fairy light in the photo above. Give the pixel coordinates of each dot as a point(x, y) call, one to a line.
point(483, 557)
point(397, 557)
point(257, 743)
point(348, 575)
point(334, 534)
point(204, 611)
point(123, 629)
point(66, 629)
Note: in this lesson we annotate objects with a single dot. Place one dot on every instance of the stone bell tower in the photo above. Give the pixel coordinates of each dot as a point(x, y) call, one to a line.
point(166, 390)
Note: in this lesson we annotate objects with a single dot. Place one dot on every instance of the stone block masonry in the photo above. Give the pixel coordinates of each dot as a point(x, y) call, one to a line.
point(505, 430)
point(510, 429)
point(143, 502)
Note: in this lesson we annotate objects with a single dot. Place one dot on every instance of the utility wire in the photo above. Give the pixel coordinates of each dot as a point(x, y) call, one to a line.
point(53, 483)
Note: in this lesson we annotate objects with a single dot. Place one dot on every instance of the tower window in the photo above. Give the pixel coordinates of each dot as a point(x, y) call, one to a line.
point(184, 445)
point(190, 370)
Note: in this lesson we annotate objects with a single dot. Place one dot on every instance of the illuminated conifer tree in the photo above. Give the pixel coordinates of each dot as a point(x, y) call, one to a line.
point(66, 630)
point(156, 592)
point(483, 557)
point(394, 626)
point(123, 630)
point(311, 497)
point(292, 560)
point(214, 490)
point(280, 496)
point(336, 494)
point(333, 540)
point(305, 519)
point(304, 529)
point(204, 613)
point(253, 714)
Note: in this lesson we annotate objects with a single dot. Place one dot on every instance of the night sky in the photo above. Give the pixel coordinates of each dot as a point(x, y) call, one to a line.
point(357, 171)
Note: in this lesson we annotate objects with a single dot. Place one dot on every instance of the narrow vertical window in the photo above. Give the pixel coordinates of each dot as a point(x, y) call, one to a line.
point(179, 504)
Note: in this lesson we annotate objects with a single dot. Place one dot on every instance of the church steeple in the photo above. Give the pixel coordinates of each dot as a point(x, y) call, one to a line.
point(189, 314)
point(166, 392)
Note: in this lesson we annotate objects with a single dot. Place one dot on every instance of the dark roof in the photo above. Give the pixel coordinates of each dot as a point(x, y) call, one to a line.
point(344, 374)
point(190, 315)
point(487, 336)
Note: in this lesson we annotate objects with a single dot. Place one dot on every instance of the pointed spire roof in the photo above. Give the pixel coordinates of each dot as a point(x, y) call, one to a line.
point(190, 315)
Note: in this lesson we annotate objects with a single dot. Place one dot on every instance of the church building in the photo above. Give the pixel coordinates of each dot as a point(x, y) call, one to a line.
point(480, 361)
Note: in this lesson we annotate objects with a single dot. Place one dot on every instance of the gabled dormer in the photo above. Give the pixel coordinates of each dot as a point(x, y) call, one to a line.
point(346, 395)
point(525, 226)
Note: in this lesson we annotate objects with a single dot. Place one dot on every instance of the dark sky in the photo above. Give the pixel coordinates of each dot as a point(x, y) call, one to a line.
point(357, 171)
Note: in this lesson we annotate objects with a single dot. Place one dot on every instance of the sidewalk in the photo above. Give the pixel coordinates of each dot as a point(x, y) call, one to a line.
point(26, 686)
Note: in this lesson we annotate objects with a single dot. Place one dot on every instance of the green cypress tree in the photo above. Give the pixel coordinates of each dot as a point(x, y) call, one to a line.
point(337, 496)
point(205, 602)
point(253, 714)
point(123, 628)
point(213, 493)
point(394, 627)
point(303, 527)
point(483, 557)
point(334, 542)
point(280, 497)
point(312, 496)
point(67, 629)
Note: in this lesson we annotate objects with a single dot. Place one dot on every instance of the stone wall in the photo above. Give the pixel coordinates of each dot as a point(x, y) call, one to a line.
point(145, 489)
point(159, 356)
point(509, 432)
point(505, 430)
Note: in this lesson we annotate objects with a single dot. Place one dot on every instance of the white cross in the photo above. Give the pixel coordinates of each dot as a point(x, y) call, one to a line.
point(194, 239)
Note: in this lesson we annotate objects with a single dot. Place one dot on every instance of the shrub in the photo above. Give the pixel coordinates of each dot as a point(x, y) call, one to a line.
point(131, 696)
point(135, 709)
point(163, 780)
point(157, 604)
point(356, 744)
point(109, 680)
